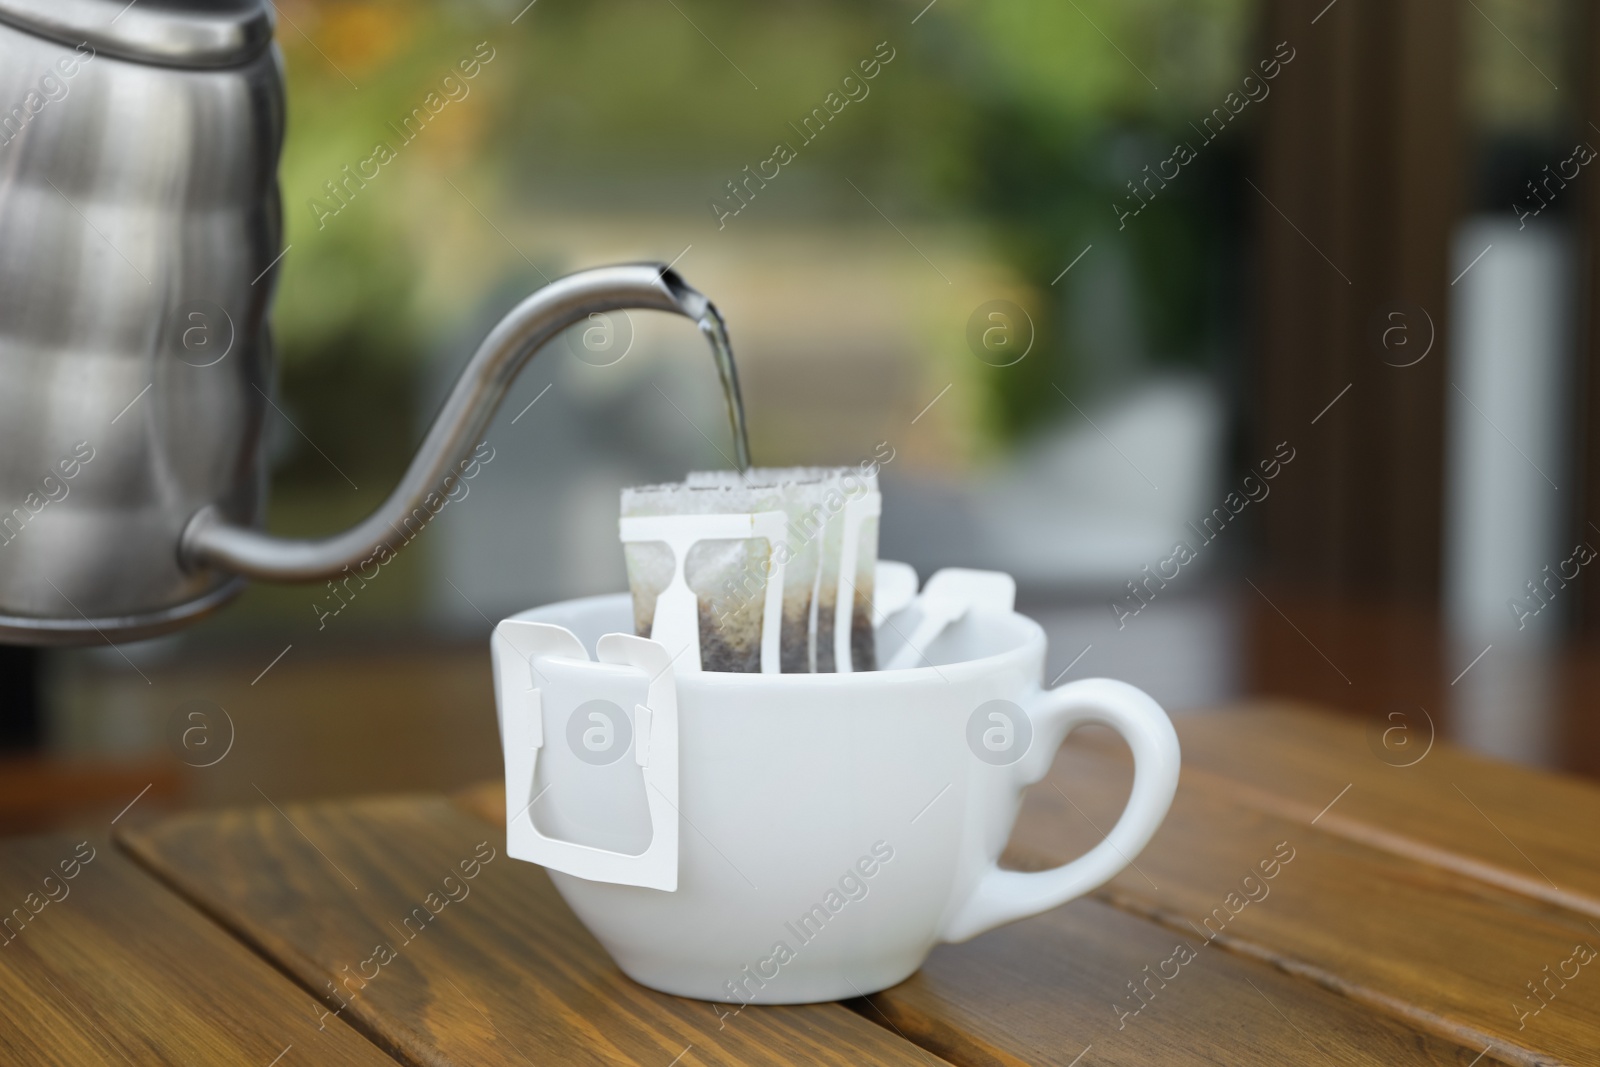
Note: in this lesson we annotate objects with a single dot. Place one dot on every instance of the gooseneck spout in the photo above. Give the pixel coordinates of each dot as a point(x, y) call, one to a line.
point(211, 540)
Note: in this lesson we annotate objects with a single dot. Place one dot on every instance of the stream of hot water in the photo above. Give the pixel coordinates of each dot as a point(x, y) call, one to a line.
point(715, 328)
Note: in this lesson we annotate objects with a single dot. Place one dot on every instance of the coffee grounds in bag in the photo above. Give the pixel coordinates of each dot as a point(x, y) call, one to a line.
point(729, 578)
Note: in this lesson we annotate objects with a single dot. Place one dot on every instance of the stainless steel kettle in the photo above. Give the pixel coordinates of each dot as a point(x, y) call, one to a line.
point(140, 234)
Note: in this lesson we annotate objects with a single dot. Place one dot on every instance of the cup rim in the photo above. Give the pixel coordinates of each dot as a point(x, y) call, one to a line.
point(1032, 642)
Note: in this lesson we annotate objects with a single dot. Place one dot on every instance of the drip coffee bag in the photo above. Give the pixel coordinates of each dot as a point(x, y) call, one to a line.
point(843, 638)
point(730, 628)
point(797, 496)
point(826, 554)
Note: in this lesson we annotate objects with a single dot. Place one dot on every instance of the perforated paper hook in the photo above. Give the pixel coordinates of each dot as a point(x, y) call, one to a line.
point(946, 597)
point(540, 666)
point(676, 625)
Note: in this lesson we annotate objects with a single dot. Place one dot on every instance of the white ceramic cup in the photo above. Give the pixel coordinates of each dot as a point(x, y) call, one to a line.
point(833, 828)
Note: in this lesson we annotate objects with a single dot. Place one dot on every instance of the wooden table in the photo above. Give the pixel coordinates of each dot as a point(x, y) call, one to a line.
point(1442, 912)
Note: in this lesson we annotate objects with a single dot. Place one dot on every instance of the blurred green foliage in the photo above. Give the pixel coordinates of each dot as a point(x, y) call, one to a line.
point(1027, 116)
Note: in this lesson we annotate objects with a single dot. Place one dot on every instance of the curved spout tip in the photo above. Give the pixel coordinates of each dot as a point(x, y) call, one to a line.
point(691, 301)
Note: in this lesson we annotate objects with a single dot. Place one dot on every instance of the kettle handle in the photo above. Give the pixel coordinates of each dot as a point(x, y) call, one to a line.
point(210, 539)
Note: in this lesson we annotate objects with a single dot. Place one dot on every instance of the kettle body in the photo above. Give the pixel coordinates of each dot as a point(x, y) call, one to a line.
point(140, 232)
point(139, 219)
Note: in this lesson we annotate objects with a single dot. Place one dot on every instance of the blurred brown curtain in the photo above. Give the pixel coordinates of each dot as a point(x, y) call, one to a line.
point(1361, 162)
point(1588, 525)
point(1358, 184)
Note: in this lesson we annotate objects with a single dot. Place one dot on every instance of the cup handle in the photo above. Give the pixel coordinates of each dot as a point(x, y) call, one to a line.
point(1003, 896)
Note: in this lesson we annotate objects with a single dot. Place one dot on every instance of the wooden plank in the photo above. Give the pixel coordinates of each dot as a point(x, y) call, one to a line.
point(42, 792)
point(108, 966)
point(1447, 955)
point(505, 973)
point(1528, 831)
point(1028, 992)
point(1055, 988)
point(486, 800)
